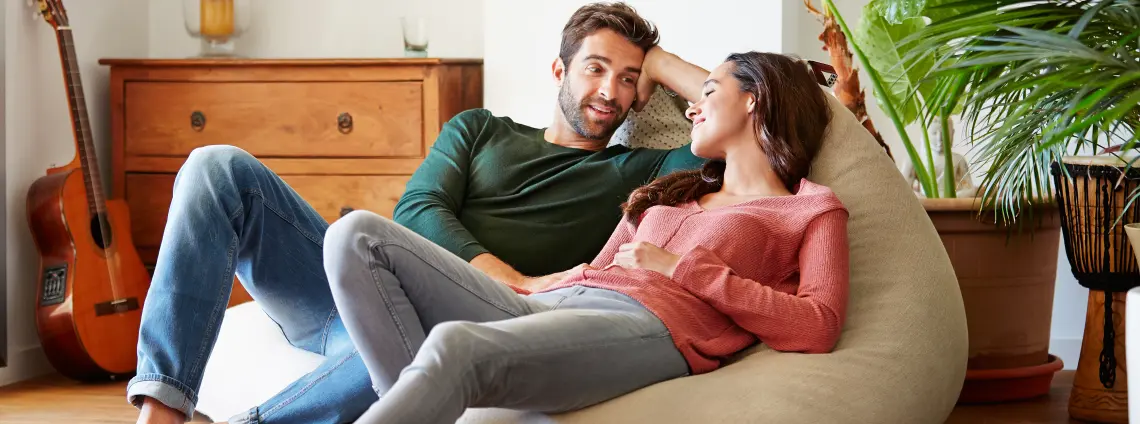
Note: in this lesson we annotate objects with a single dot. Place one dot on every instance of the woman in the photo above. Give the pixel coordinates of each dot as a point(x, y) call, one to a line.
point(704, 264)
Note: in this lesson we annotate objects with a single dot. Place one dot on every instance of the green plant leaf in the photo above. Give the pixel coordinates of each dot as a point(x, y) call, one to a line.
point(879, 41)
point(941, 10)
point(881, 93)
point(896, 12)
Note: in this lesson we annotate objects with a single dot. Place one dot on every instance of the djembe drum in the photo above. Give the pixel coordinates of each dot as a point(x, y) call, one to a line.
point(1091, 197)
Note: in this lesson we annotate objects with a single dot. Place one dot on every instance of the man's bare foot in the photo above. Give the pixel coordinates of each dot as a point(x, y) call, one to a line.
point(154, 412)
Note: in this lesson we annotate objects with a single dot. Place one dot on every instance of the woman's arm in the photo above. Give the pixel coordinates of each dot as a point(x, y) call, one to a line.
point(809, 321)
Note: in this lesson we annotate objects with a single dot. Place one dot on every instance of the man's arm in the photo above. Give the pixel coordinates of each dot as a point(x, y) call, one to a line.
point(680, 159)
point(497, 269)
point(684, 78)
point(501, 271)
point(669, 70)
point(436, 192)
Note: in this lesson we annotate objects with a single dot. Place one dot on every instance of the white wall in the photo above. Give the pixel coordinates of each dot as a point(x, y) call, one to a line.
point(1069, 299)
point(330, 28)
point(38, 134)
point(522, 38)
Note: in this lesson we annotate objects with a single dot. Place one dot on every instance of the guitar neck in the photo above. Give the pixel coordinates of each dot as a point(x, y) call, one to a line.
point(81, 126)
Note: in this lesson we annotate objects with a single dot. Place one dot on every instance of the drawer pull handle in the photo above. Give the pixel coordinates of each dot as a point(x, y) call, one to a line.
point(197, 120)
point(344, 122)
point(345, 210)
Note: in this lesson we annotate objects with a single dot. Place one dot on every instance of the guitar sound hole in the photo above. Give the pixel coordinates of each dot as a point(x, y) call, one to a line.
point(101, 240)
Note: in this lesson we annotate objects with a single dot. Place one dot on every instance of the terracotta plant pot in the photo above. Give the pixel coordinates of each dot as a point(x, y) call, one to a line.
point(1007, 279)
point(1008, 384)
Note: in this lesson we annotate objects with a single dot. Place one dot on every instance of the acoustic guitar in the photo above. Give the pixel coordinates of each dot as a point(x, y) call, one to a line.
point(91, 281)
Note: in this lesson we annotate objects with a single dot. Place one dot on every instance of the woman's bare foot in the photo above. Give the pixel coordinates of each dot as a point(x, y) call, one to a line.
point(154, 412)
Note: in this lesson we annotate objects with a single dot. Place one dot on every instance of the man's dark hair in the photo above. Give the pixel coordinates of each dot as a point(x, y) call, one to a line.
point(619, 17)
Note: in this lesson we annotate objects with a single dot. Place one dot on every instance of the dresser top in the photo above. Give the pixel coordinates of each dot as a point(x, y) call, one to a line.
point(213, 62)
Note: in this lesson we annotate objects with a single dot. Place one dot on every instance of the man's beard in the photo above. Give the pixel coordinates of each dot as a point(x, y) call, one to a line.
point(575, 112)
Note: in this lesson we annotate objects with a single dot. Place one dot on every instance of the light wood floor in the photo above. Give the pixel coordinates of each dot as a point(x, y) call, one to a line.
point(1052, 408)
point(54, 399)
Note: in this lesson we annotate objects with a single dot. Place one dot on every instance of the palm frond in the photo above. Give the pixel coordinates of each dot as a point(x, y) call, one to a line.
point(1033, 80)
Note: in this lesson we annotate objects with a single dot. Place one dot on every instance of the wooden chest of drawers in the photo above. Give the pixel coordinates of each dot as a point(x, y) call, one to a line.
point(342, 133)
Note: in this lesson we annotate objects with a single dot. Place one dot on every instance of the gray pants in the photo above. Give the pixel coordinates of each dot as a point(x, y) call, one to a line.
point(439, 336)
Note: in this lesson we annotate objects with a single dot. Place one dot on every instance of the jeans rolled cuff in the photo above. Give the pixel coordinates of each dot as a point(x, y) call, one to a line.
point(168, 391)
point(249, 417)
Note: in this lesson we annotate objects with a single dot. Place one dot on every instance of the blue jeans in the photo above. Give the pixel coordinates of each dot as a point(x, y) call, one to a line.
point(230, 214)
point(438, 336)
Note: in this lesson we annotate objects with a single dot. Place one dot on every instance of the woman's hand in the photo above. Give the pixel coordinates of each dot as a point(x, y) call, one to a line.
point(646, 256)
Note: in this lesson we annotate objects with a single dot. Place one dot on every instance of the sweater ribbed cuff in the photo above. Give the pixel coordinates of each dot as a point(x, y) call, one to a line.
point(470, 251)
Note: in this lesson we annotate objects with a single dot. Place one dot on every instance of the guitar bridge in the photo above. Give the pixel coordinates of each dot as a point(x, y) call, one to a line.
point(116, 306)
point(54, 286)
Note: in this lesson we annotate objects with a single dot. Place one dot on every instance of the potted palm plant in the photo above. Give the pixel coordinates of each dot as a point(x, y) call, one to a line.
point(1050, 98)
point(1029, 81)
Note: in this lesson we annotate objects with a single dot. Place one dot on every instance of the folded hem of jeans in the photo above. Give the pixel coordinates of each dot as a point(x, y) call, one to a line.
point(248, 417)
point(168, 391)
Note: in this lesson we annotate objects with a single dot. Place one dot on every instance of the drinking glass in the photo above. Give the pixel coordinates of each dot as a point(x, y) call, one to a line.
point(415, 36)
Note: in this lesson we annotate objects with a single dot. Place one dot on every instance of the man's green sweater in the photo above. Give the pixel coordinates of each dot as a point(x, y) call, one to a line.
point(489, 184)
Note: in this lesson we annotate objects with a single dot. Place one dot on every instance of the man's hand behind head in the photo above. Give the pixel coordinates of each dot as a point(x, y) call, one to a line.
point(646, 84)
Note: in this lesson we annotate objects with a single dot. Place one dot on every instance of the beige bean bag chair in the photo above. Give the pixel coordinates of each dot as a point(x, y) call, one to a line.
point(902, 355)
point(901, 358)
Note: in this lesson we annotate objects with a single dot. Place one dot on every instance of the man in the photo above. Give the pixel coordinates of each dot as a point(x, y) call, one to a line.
point(521, 204)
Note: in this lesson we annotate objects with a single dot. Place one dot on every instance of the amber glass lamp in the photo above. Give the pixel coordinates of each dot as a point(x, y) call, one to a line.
point(217, 23)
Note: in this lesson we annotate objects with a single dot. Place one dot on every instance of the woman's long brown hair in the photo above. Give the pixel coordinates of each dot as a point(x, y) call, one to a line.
point(790, 118)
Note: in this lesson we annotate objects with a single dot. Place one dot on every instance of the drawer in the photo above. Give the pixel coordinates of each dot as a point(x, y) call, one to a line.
point(328, 194)
point(148, 197)
point(275, 119)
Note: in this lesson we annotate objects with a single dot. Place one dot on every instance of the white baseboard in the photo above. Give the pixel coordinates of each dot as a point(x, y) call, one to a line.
point(24, 364)
point(1068, 349)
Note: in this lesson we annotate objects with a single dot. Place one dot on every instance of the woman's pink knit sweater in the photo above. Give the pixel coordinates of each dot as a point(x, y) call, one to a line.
point(773, 269)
